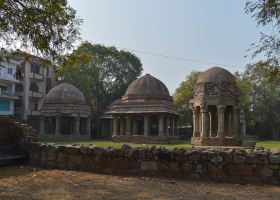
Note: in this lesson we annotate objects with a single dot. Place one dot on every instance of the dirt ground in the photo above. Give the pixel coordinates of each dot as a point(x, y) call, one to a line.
point(28, 183)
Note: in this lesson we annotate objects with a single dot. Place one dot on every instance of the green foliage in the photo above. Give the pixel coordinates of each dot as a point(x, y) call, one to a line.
point(182, 95)
point(263, 95)
point(102, 73)
point(267, 14)
point(47, 27)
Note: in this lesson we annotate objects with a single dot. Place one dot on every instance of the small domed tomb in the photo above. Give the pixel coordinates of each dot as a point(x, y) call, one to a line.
point(64, 114)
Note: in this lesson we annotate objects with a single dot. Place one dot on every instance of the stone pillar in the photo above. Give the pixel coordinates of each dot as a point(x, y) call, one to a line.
point(121, 126)
point(195, 122)
point(167, 126)
point(173, 126)
point(135, 127)
point(57, 125)
point(235, 122)
point(42, 125)
point(211, 118)
point(128, 128)
point(115, 125)
point(204, 122)
point(160, 125)
point(88, 126)
point(242, 123)
point(146, 125)
point(77, 126)
point(221, 121)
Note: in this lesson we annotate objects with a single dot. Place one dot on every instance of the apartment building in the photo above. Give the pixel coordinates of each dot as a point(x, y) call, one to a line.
point(35, 79)
point(8, 80)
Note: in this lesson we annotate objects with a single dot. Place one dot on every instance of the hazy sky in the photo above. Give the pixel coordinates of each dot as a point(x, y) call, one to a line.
point(214, 31)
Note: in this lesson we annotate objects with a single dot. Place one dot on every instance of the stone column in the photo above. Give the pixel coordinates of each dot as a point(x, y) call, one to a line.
point(160, 125)
point(146, 125)
point(221, 121)
point(135, 127)
point(211, 132)
point(128, 131)
point(42, 125)
point(77, 126)
point(242, 123)
point(204, 121)
point(195, 122)
point(235, 122)
point(121, 126)
point(173, 126)
point(115, 125)
point(88, 126)
point(167, 126)
point(57, 125)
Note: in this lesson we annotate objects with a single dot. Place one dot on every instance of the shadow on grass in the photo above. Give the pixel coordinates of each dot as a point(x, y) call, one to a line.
point(15, 171)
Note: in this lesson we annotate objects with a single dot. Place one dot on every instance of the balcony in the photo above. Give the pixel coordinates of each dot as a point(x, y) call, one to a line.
point(36, 94)
point(36, 76)
point(34, 113)
point(7, 94)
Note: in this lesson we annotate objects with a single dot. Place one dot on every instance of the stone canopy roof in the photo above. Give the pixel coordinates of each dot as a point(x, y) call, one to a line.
point(65, 99)
point(146, 94)
point(215, 74)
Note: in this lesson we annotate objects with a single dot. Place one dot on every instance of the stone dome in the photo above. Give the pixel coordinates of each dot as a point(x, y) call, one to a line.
point(65, 93)
point(215, 74)
point(147, 85)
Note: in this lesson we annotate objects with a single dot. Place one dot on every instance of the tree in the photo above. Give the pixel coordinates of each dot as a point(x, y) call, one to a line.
point(267, 14)
point(102, 73)
point(182, 95)
point(48, 28)
point(264, 97)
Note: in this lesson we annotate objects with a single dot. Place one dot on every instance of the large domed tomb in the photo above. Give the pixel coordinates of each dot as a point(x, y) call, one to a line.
point(64, 114)
point(216, 109)
point(145, 113)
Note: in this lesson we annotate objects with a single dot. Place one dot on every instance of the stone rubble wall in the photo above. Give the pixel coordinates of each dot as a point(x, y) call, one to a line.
point(255, 165)
point(13, 132)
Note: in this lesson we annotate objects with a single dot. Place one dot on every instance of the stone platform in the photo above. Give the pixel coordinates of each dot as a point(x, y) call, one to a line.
point(65, 137)
point(207, 141)
point(141, 139)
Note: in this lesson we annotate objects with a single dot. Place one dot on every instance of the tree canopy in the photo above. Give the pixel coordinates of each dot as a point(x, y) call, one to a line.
point(46, 27)
point(182, 95)
point(102, 73)
point(267, 14)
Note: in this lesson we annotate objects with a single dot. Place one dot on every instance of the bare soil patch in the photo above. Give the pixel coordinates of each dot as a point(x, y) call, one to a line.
point(28, 183)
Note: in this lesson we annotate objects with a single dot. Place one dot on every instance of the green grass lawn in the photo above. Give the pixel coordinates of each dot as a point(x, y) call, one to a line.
point(269, 144)
point(107, 143)
point(186, 144)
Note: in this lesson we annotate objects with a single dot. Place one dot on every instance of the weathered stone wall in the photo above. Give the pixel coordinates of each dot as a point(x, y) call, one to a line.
point(12, 132)
point(235, 165)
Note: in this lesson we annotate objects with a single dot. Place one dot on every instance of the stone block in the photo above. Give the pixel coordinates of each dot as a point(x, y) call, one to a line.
point(72, 161)
point(194, 157)
point(97, 151)
point(239, 159)
point(84, 149)
point(262, 159)
point(199, 168)
point(162, 166)
point(118, 152)
point(187, 167)
point(217, 159)
point(266, 172)
point(240, 170)
point(61, 160)
point(213, 169)
point(85, 162)
point(174, 167)
point(148, 166)
point(274, 159)
point(74, 150)
point(100, 161)
point(252, 159)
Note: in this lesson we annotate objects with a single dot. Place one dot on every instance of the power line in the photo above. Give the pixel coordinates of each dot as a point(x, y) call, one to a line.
point(176, 57)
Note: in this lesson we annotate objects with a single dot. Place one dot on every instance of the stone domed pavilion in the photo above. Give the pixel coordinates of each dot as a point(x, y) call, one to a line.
point(64, 114)
point(216, 109)
point(145, 113)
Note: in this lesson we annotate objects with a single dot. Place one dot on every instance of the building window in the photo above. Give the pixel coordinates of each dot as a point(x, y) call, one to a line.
point(10, 71)
point(35, 69)
point(34, 87)
point(4, 105)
